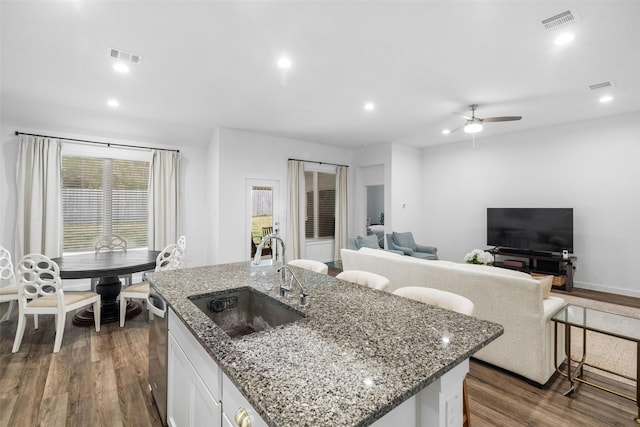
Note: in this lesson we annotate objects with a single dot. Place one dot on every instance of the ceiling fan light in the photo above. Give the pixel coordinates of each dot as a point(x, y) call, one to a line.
point(473, 127)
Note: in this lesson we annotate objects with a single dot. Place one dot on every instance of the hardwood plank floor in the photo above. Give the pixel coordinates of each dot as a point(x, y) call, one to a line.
point(100, 379)
point(97, 379)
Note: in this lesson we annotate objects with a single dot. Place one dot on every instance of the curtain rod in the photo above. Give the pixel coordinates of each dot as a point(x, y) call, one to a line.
point(320, 163)
point(108, 144)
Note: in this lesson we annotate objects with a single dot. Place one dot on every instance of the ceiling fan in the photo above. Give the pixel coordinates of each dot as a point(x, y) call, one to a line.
point(475, 124)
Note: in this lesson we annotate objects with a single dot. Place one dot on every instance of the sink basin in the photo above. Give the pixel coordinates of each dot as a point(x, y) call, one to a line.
point(244, 311)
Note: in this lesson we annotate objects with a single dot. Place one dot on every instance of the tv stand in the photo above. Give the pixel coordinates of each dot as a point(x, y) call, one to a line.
point(540, 263)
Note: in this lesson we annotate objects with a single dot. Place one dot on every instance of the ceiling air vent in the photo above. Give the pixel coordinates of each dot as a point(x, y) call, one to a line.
point(563, 18)
point(125, 56)
point(600, 85)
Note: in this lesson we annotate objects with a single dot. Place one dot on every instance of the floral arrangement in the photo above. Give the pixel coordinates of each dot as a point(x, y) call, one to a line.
point(478, 256)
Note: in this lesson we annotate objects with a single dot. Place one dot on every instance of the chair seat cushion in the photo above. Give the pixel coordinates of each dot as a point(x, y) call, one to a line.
point(138, 288)
point(9, 290)
point(52, 300)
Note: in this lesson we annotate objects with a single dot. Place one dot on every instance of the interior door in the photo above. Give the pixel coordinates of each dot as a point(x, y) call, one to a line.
point(262, 215)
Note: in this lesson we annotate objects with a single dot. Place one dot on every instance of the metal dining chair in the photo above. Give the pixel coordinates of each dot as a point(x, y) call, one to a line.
point(40, 292)
point(170, 258)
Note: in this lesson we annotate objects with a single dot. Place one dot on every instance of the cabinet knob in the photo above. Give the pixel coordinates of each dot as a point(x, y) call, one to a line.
point(242, 418)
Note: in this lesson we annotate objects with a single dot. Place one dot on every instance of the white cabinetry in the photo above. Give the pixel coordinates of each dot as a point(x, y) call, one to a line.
point(235, 407)
point(194, 386)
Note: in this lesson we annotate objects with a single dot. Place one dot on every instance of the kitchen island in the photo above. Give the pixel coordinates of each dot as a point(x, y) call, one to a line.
point(356, 356)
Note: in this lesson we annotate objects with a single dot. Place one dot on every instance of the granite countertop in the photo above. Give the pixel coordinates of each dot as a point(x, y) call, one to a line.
point(356, 355)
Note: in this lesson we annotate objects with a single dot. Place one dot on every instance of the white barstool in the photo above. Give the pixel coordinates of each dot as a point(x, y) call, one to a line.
point(365, 278)
point(449, 301)
point(309, 264)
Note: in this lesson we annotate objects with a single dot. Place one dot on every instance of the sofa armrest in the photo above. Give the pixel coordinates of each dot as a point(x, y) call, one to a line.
point(404, 250)
point(427, 249)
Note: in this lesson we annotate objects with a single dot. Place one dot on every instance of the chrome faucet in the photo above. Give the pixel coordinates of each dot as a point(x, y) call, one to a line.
point(258, 256)
point(287, 287)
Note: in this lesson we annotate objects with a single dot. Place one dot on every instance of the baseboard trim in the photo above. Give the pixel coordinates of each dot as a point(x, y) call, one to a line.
point(608, 289)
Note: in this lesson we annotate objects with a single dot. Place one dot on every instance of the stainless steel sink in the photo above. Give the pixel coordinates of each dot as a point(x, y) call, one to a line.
point(244, 311)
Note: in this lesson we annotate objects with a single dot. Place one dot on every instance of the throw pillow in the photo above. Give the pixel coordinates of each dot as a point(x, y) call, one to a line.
point(368, 242)
point(404, 239)
point(546, 282)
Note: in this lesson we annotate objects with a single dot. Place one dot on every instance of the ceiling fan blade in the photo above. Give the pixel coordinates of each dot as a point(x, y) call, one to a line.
point(502, 119)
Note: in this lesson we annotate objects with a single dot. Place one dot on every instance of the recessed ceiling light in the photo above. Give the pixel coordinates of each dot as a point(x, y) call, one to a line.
point(606, 98)
point(284, 62)
point(564, 38)
point(369, 106)
point(446, 131)
point(121, 67)
point(113, 103)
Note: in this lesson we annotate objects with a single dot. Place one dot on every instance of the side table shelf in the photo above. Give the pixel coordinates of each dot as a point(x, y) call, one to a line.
point(555, 265)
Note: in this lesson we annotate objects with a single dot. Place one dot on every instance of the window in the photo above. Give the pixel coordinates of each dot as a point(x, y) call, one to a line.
point(320, 188)
point(103, 196)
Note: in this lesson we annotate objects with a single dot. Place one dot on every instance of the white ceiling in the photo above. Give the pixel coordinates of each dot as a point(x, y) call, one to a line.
point(211, 64)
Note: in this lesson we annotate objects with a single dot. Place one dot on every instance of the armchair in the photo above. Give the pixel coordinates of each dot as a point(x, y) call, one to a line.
point(358, 242)
point(404, 242)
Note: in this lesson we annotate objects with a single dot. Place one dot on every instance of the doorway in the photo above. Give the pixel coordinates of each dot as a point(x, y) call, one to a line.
point(262, 215)
point(375, 212)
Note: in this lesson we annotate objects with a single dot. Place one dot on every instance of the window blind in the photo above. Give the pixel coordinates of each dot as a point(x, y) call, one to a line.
point(320, 189)
point(103, 197)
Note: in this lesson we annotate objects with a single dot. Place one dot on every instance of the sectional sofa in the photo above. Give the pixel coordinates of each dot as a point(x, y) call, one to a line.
point(510, 298)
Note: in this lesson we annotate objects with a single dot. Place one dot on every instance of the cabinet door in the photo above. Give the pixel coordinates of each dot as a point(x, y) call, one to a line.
point(205, 410)
point(178, 386)
point(189, 402)
point(233, 401)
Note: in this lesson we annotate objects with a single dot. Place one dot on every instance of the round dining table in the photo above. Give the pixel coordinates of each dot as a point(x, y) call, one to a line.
point(107, 266)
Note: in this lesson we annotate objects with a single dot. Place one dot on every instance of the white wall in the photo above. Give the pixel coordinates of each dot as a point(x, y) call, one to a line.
point(245, 155)
point(406, 198)
point(591, 166)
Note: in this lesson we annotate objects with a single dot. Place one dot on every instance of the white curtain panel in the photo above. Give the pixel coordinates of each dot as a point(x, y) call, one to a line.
point(341, 211)
point(39, 189)
point(164, 199)
point(295, 210)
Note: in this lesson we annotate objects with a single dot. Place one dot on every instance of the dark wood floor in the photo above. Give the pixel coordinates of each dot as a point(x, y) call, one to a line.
point(100, 379)
point(603, 296)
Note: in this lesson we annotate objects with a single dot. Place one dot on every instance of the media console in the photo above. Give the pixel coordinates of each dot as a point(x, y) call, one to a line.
point(540, 263)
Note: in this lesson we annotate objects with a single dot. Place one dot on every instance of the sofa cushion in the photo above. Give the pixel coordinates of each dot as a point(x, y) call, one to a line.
point(404, 239)
point(368, 242)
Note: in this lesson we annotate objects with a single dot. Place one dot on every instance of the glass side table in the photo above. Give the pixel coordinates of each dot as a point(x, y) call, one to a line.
point(589, 319)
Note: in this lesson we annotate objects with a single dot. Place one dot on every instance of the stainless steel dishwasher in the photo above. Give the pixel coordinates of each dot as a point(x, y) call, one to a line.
point(158, 338)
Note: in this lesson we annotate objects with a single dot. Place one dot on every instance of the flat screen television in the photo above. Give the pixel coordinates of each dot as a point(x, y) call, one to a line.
point(531, 229)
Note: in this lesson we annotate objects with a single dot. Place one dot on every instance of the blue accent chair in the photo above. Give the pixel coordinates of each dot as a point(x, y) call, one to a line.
point(404, 242)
